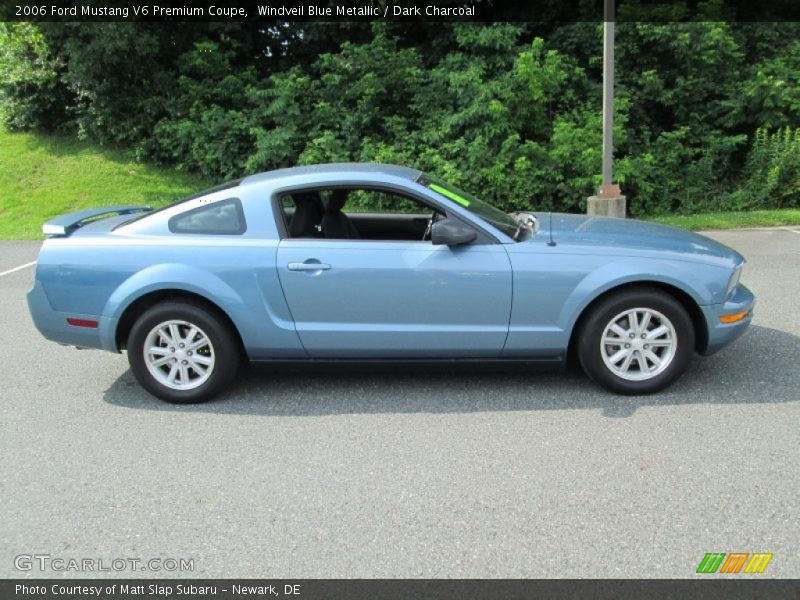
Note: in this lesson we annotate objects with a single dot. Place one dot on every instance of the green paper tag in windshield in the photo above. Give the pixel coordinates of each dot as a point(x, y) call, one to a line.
point(452, 195)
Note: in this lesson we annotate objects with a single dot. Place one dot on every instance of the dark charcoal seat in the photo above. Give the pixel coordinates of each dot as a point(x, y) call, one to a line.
point(308, 213)
point(335, 224)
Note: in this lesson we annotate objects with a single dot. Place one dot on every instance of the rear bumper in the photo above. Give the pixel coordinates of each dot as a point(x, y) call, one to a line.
point(52, 324)
point(721, 334)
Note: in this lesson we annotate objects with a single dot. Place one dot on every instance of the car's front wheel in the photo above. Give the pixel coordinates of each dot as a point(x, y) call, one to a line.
point(182, 352)
point(637, 341)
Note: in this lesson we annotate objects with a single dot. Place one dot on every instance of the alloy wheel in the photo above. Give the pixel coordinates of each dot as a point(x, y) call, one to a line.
point(638, 344)
point(179, 355)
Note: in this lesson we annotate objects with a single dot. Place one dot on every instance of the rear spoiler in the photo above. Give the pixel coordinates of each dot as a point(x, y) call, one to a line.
point(66, 224)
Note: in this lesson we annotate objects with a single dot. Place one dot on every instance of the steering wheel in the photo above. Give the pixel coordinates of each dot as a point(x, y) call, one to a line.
point(434, 217)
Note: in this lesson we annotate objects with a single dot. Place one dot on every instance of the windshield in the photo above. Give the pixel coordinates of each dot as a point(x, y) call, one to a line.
point(506, 223)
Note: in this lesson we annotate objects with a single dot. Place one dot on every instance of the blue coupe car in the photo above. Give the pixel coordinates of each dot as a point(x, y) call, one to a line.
point(364, 262)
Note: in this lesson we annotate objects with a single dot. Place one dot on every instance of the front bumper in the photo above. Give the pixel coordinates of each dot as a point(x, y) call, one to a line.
point(721, 334)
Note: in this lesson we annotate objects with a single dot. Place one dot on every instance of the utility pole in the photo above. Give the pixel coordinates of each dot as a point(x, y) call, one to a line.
point(609, 200)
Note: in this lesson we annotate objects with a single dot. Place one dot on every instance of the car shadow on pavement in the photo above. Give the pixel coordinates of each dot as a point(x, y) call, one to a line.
point(761, 367)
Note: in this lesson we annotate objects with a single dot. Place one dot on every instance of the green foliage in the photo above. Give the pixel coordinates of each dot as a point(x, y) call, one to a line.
point(207, 128)
point(29, 79)
point(770, 96)
point(706, 111)
point(675, 174)
point(113, 76)
point(772, 171)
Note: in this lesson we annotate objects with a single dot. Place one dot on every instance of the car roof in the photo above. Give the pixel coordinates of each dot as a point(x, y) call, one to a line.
point(335, 168)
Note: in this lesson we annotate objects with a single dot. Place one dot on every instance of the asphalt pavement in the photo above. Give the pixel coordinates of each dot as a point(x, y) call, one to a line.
point(386, 473)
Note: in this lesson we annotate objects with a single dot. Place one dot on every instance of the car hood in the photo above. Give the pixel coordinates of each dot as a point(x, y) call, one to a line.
point(630, 235)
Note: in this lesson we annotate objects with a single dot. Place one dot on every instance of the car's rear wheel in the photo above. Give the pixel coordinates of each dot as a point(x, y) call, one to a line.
point(182, 352)
point(637, 341)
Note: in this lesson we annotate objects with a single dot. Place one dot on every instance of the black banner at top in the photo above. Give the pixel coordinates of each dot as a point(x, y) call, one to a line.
point(400, 10)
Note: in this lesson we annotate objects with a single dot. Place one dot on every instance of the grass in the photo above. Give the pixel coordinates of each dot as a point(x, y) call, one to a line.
point(731, 220)
point(42, 176)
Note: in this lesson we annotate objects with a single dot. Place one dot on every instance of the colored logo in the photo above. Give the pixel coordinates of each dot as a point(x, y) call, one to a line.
point(734, 562)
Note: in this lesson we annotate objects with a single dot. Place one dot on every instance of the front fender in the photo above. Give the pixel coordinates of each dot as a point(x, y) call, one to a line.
point(700, 282)
point(551, 291)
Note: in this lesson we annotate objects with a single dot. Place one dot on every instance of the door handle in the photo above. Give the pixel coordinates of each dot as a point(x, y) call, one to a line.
point(308, 266)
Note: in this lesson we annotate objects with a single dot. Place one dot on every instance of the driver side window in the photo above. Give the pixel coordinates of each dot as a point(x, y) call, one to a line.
point(356, 214)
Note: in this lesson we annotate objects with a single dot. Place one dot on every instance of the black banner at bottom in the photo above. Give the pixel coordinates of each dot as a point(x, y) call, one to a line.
point(394, 589)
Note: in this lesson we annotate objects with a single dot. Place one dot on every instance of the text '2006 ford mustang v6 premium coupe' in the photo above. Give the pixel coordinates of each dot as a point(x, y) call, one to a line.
point(378, 262)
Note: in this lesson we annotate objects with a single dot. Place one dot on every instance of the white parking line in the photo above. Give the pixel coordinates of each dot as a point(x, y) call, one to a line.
point(19, 268)
point(792, 230)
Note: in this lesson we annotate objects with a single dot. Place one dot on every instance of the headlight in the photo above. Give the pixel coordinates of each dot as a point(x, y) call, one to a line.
point(734, 281)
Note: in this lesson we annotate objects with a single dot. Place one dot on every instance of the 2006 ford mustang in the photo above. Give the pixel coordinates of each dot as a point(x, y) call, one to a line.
point(379, 262)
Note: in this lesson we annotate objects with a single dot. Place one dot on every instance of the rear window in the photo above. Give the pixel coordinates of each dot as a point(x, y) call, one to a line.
point(220, 218)
point(225, 186)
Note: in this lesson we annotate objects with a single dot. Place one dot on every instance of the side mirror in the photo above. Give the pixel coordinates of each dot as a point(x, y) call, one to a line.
point(451, 232)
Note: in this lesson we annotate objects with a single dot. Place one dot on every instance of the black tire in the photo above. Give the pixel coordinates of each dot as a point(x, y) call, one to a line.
point(594, 325)
point(224, 349)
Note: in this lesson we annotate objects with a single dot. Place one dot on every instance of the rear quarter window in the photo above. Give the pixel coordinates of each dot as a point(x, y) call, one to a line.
point(225, 217)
